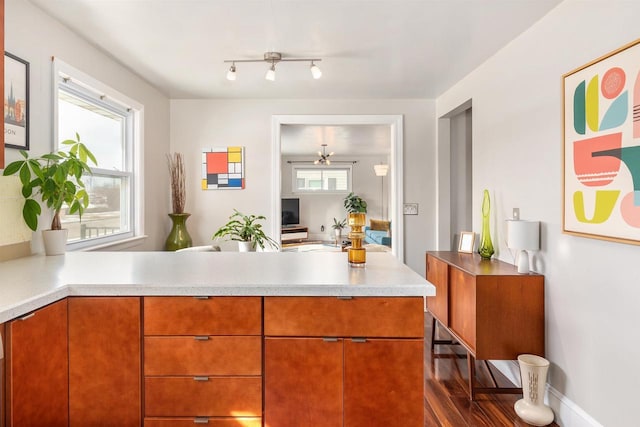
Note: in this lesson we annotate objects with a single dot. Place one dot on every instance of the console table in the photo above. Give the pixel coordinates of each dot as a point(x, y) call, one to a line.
point(488, 307)
point(289, 234)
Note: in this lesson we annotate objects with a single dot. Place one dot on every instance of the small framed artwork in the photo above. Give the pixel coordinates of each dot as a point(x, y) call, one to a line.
point(16, 102)
point(467, 239)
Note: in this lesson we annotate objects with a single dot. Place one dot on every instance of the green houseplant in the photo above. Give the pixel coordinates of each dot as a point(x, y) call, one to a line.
point(354, 203)
point(55, 179)
point(357, 211)
point(245, 228)
point(338, 225)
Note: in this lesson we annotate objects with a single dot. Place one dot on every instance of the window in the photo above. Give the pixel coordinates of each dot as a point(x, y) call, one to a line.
point(322, 179)
point(107, 123)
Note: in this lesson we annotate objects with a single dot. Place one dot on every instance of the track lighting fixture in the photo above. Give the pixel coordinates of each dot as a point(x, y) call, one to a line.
point(274, 58)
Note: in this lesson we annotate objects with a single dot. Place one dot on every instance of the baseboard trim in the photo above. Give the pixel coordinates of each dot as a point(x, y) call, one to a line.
point(567, 413)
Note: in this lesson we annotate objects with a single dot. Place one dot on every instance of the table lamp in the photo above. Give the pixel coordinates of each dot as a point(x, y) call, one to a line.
point(523, 236)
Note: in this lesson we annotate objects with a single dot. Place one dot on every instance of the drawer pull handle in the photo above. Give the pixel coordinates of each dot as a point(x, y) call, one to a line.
point(28, 316)
point(201, 297)
point(201, 420)
point(329, 339)
point(201, 378)
point(359, 340)
point(201, 338)
point(345, 298)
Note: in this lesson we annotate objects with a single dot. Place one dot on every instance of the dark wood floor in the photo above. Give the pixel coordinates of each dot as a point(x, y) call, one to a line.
point(447, 401)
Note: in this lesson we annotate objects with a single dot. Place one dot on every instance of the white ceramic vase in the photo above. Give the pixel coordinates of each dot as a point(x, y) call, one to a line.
point(55, 241)
point(246, 247)
point(531, 408)
point(338, 235)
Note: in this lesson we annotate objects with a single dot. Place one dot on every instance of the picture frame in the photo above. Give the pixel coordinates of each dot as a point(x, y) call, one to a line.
point(466, 242)
point(16, 101)
point(601, 147)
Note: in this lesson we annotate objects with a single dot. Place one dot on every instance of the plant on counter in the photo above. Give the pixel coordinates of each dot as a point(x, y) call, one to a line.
point(355, 204)
point(245, 228)
point(56, 178)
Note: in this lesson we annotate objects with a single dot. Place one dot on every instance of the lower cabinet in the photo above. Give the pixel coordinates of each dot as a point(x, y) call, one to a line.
point(104, 361)
point(368, 380)
point(203, 361)
point(37, 368)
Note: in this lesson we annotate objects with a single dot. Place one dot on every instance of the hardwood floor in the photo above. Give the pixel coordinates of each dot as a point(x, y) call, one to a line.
point(447, 401)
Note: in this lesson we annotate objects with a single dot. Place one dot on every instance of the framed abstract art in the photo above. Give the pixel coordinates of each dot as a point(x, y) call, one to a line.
point(601, 145)
point(16, 102)
point(223, 168)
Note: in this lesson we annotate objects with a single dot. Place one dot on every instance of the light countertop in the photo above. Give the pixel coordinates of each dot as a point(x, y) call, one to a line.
point(32, 282)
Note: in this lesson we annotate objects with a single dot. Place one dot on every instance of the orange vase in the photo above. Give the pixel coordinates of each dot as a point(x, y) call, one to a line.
point(357, 254)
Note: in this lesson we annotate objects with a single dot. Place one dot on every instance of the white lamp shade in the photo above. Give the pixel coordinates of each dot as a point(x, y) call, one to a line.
point(381, 170)
point(523, 235)
point(231, 74)
point(271, 74)
point(315, 71)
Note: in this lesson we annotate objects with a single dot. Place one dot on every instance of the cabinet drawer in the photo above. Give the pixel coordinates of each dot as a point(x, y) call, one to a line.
point(217, 396)
point(203, 355)
point(194, 316)
point(356, 317)
point(211, 422)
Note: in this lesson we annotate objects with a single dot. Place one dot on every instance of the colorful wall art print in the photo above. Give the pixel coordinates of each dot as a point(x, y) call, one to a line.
point(602, 147)
point(223, 168)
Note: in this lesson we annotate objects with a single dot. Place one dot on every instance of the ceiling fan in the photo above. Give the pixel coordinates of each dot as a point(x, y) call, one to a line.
point(324, 157)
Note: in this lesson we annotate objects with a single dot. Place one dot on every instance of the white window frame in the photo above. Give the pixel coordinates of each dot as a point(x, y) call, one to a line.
point(90, 89)
point(294, 178)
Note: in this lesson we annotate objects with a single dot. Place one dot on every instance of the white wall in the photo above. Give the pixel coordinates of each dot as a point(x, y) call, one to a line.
point(35, 37)
point(200, 123)
point(592, 290)
point(317, 210)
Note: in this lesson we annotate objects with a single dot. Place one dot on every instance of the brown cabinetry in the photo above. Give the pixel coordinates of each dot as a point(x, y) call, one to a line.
point(37, 368)
point(202, 361)
point(486, 305)
point(104, 361)
point(343, 362)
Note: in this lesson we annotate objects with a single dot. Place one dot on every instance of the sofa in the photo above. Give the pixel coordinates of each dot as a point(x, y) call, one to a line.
point(378, 232)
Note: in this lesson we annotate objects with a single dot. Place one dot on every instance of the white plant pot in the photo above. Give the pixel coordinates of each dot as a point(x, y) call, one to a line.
point(531, 408)
point(246, 247)
point(338, 235)
point(55, 241)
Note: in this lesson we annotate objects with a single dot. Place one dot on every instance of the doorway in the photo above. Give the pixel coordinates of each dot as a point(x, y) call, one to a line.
point(395, 176)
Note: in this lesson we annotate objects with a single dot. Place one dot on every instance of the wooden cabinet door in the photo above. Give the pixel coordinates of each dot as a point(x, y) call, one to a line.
point(303, 382)
point(104, 361)
point(438, 275)
point(37, 368)
point(462, 314)
point(383, 383)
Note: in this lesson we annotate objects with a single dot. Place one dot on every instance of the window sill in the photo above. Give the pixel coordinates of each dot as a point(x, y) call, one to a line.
point(124, 243)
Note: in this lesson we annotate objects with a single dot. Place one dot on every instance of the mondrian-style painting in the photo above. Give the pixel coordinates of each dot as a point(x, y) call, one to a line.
point(223, 168)
point(602, 147)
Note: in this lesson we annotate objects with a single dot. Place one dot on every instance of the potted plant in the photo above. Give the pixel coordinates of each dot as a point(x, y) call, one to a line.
point(56, 179)
point(357, 210)
point(246, 230)
point(338, 226)
point(179, 237)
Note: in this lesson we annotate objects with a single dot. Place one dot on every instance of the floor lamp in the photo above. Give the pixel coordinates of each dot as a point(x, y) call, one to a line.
point(381, 171)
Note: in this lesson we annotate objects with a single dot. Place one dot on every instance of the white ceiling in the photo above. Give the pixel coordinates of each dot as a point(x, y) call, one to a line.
point(369, 48)
point(352, 140)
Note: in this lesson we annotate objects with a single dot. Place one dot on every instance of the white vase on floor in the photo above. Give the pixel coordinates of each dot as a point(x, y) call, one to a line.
point(531, 408)
point(55, 241)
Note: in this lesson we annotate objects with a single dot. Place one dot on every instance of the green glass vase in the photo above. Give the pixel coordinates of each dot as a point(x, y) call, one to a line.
point(179, 237)
point(485, 248)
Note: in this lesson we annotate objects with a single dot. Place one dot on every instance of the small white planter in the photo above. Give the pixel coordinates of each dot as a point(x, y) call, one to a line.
point(531, 408)
point(55, 241)
point(338, 235)
point(246, 247)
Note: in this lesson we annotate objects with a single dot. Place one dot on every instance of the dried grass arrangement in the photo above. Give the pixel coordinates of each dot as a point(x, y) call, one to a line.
point(178, 188)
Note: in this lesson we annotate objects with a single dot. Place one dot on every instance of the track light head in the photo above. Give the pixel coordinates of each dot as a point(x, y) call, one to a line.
point(271, 73)
point(231, 74)
point(315, 71)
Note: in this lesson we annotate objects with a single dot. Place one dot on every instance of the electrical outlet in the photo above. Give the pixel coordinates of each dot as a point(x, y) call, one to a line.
point(516, 213)
point(410, 209)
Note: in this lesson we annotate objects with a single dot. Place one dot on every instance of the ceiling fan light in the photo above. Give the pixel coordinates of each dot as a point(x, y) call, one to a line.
point(271, 73)
point(328, 162)
point(315, 71)
point(231, 74)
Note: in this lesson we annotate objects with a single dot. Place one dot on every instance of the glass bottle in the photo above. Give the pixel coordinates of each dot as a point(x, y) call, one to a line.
point(485, 248)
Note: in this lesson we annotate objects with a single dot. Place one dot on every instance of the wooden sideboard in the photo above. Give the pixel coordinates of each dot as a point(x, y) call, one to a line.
point(495, 312)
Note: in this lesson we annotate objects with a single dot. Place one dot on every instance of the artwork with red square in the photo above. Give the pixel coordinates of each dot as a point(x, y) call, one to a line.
point(217, 163)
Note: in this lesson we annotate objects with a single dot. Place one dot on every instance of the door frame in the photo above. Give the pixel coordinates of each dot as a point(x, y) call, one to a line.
point(396, 184)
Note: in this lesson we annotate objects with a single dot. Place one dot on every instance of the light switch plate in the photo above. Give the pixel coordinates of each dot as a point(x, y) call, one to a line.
point(410, 209)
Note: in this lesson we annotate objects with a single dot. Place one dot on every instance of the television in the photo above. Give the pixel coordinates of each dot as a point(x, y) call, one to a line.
point(290, 212)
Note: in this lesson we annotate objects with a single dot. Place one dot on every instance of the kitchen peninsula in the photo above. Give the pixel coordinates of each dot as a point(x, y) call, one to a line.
point(251, 339)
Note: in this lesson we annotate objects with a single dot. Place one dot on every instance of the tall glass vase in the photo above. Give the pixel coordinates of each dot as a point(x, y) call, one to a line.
point(485, 249)
point(179, 237)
